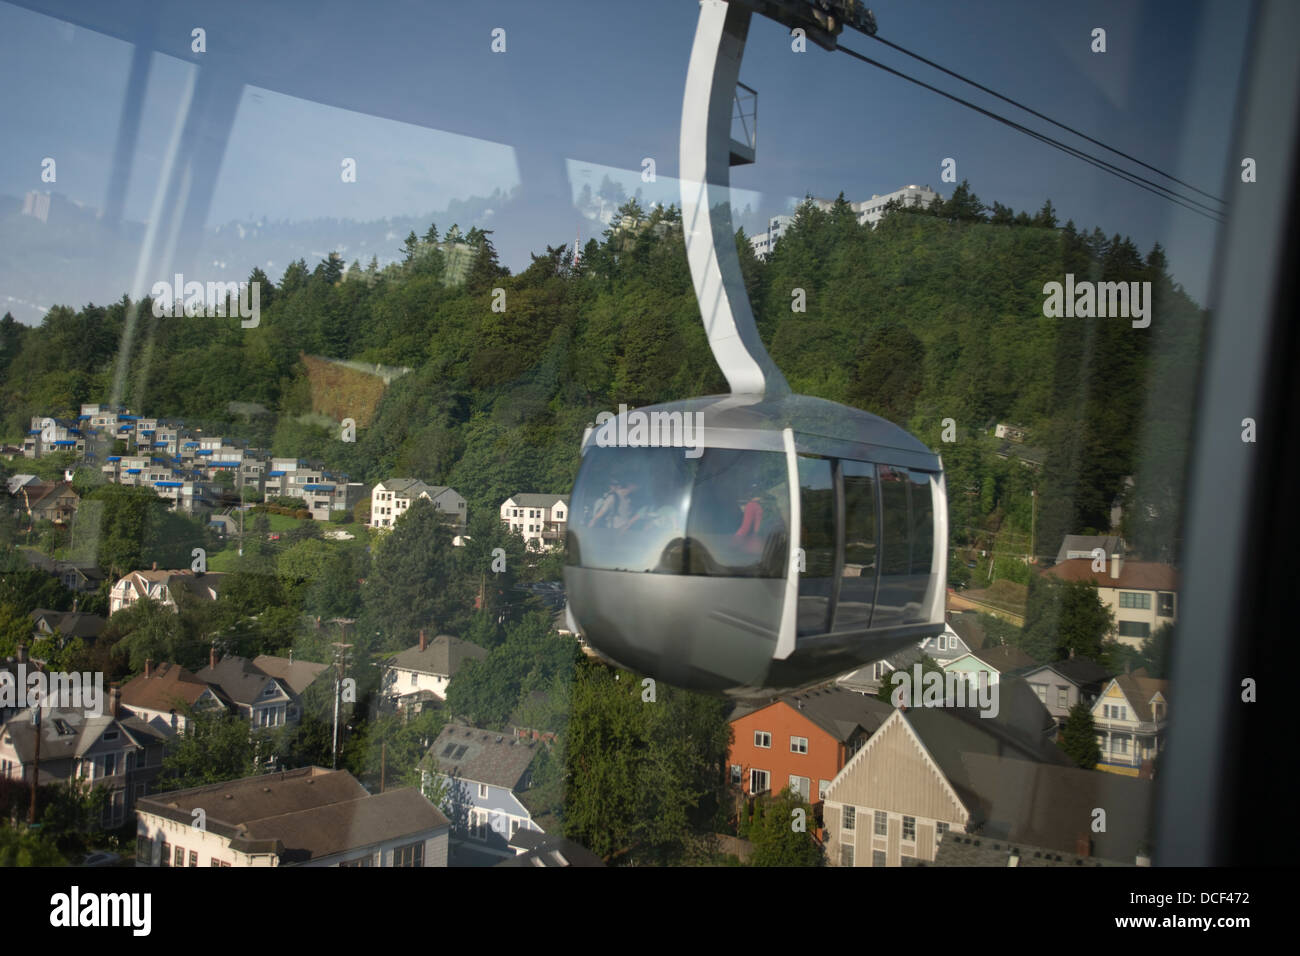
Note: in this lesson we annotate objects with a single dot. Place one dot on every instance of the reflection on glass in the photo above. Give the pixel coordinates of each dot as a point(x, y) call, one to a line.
point(858, 582)
point(907, 546)
point(652, 509)
point(817, 511)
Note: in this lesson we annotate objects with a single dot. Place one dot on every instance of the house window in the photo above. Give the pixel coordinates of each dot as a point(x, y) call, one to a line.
point(762, 739)
point(110, 764)
point(514, 826)
point(194, 857)
point(878, 858)
point(822, 786)
point(798, 745)
point(1134, 629)
point(1157, 709)
point(413, 678)
point(850, 818)
point(410, 855)
point(758, 781)
point(144, 849)
point(1135, 599)
point(735, 773)
point(800, 785)
point(1165, 605)
point(1041, 691)
point(213, 861)
point(882, 823)
point(1062, 697)
point(846, 854)
point(179, 859)
point(940, 829)
point(166, 854)
point(483, 790)
point(909, 828)
point(478, 825)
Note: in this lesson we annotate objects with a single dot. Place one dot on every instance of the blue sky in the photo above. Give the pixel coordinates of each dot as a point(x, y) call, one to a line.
point(586, 89)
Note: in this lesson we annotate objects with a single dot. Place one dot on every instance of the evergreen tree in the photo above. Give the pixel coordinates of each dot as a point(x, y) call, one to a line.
point(1079, 737)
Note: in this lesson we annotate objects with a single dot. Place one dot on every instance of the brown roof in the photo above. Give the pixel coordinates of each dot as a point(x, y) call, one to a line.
point(443, 656)
point(483, 756)
point(1133, 575)
point(349, 825)
point(1139, 691)
point(167, 686)
point(255, 798)
point(1003, 658)
point(296, 675)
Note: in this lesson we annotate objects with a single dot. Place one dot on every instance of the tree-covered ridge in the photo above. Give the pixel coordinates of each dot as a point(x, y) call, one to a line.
point(935, 314)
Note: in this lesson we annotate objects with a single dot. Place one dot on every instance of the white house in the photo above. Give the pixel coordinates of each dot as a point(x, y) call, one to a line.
point(391, 498)
point(429, 666)
point(541, 519)
point(163, 586)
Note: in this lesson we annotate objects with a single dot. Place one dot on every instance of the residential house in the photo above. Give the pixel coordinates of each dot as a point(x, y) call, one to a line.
point(255, 695)
point(928, 772)
point(991, 661)
point(867, 679)
point(801, 741)
point(306, 817)
point(390, 499)
point(84, 577)
point(428, 667)
point(541, 519)
point(1063, 684)
point(1142, 594)
point(114, 750)
point(946, 647)
point(55, 502)
point(967, 851)
point(294, 676)
point(161, 695)
point(67, 625)
point(163, 587)
point(1131, 716)
point(485, 773)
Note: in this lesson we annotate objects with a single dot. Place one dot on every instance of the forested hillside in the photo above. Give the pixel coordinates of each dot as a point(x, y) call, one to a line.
point(934, 315)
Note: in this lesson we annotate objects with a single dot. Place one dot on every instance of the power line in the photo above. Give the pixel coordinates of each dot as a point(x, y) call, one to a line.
point(1034, 112)
point(1163, 192)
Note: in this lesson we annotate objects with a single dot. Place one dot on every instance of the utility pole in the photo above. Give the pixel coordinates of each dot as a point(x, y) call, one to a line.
point(340, 654)
point(36, 760)
point(383, 763)
point(1033, 525)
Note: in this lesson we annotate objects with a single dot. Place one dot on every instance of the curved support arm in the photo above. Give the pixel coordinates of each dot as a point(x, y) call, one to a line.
point(705, 171)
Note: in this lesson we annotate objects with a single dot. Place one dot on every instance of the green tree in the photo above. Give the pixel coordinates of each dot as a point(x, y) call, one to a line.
point(218, 747)
point(1079, 737)
point(780, 829)
point(409, 586)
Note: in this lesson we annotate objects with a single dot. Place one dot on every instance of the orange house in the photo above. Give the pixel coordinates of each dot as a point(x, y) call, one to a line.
point(801, 741)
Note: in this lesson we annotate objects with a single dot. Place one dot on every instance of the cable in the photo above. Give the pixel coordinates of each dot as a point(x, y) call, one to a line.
point(1034, 112)
point(1155, 188)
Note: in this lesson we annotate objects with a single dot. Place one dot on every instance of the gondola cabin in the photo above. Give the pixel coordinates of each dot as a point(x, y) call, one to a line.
point(744, 545)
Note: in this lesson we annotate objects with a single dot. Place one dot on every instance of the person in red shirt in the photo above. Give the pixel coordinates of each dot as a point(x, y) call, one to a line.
point(748, 534)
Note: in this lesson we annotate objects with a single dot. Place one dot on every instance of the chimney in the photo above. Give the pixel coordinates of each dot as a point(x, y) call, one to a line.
point(114, 699)
point(424, 640)
point(21, 653)
point(148, 666)
point(212, 656)
point(1116, 563)
point(1083, 846)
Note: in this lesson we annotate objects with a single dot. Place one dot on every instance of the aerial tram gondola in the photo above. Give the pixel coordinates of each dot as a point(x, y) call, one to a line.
point(757, 542)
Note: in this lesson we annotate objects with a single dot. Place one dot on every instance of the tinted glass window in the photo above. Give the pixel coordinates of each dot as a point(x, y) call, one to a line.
point(907, 547)
point(628, 509)
point(817, 538)
point(739, 514)
point(632, 508)
point(858, 580)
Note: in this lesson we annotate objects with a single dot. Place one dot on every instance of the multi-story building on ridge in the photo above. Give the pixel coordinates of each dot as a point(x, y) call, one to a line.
point(541, 519)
